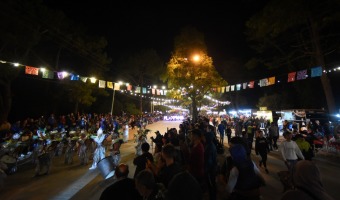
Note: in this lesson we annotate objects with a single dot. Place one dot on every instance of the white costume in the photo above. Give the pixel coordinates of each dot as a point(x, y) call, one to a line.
point(99, 153)
point(126, 133)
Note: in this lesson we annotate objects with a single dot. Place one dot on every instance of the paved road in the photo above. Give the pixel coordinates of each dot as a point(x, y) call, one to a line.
point(77, 182)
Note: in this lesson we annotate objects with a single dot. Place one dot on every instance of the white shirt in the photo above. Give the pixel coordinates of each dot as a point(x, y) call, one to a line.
point(290, 151)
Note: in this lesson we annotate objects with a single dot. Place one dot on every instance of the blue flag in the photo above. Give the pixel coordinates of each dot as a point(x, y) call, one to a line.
point(316, 71)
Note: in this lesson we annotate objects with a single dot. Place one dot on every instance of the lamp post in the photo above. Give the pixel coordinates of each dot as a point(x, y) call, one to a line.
point(113, 96)
point(153, 98)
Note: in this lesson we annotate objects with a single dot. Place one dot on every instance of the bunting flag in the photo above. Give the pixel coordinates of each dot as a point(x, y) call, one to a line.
point(161, 91)
point(129, 87)
point(271, 80)
point(74, 77)
point(222, 89)
point(263, 82)
point(227, 88)
point(144, 90)
point(232, 88)
point(165, 91)
point(116, 86)
point(158, 92)
point(47, 74)
point(93, 80)
point(109, 84)
point(61, 75)
point(238, 87)
point(251, 84)
point(316, 71)
point(244, 86)
point(291, 76)
point(137, 89)
point(84, 79)
point(301, 74)
point(102, 84)
point(31, 70)
point(153, 91)
point(219, 90)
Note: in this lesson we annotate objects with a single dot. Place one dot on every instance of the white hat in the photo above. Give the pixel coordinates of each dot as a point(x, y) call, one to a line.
point(100, 131)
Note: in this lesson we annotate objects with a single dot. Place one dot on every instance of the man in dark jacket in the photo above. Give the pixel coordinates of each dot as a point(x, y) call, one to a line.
point(141, 161)
point(123, 187)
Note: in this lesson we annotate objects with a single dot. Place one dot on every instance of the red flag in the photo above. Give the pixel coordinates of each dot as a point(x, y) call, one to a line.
point(31, 70)
point(291, 76)
point(251, 84)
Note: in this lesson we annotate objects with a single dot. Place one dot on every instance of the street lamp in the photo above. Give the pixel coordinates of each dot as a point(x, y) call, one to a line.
point(153, 97)
point(113, 96)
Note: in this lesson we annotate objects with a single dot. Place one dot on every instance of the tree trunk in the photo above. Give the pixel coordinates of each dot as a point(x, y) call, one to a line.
point(319, 58)
point(194, 109)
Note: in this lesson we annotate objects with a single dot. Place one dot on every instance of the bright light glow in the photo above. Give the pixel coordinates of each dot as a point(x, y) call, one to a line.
point(93, 80)
point(196, 58)
point(127, 84)
point(16, 64)
point(155, 86)
point(66, 74)
point(337, 115)
point(42, 69)
point(163, 87)
point(120, 82)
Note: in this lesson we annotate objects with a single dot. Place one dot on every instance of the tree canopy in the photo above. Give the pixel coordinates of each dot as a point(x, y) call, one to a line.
point(190, 71)
point(296, 34)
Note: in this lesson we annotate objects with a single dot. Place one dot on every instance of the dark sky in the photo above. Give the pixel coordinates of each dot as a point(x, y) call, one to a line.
point(130, 26)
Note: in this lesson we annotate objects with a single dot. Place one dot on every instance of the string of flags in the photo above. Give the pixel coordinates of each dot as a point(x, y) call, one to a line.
point(117, 86)
point(291, 77)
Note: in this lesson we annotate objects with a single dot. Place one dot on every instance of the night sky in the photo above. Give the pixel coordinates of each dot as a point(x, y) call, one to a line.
point(130, 27)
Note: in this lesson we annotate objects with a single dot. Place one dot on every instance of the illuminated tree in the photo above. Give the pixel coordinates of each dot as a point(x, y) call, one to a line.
point(190, 70)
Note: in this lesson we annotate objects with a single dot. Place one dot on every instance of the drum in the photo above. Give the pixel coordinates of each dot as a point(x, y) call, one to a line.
point(8, 159)
point(106, 167)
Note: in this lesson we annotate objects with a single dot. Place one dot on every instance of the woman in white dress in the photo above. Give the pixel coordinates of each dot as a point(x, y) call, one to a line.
point(126, 132)
point(99, 153)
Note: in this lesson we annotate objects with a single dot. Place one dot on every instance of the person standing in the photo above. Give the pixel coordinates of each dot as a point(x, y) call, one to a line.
point(273, 136)
point(307, 182)
point(290, 152)
point(228, 132)
point(123, 188)
point(262, 149)
point(196, 160)
point(99, 153)
point(142, 160)
point(221, 129)
point(125, 132)
point(280, 124)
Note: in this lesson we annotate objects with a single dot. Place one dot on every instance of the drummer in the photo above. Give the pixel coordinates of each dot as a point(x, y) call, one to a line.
point(99, 153)
point(82, 149)
point(115, 153)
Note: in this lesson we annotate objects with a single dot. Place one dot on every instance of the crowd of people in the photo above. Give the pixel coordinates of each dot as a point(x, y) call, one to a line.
point(184, 164)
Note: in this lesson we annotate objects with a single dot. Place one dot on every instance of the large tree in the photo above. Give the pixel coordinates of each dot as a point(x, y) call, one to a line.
point(36, 35)
point(295, 33)
point(190, 70)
